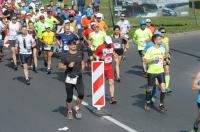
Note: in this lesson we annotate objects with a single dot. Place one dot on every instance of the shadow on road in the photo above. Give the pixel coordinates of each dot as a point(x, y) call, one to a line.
point(60, 76)
point(139, 100)
point(136, 70)
point(21, 79)
point(62, 110)
point(185, 53)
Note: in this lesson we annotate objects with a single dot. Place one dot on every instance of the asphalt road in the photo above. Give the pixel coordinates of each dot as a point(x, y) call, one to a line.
point(40, 107)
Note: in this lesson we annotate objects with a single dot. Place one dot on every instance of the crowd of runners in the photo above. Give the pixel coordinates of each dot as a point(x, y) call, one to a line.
point(78, 35)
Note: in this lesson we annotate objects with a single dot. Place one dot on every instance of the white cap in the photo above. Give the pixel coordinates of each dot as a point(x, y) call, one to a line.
point(98, 15)
point(42, 8)
point(47, 26)
point(67, 21)
point(92, 23)
point(108, 40)
point(148, 20)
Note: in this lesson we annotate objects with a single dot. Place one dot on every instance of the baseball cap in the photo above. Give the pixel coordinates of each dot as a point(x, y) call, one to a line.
point(67, 21)
point(158, 33)
point(42, 8)
point(92, 24)
point(88, 13)
point(41, 17)
point(98, 15)
point(148, 20)
point(73, 42)
point(108, 40)
point(142, 22)
point(47, 26)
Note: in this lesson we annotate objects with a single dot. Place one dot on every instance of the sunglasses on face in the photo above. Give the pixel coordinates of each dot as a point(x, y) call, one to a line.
point(163, 32)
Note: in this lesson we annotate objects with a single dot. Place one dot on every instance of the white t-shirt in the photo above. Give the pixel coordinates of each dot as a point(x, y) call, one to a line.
point(124, 25)
point(29, 41)
point(13, 30)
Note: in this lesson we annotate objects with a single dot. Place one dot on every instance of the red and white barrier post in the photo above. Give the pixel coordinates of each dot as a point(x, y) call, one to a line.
point(98, 84)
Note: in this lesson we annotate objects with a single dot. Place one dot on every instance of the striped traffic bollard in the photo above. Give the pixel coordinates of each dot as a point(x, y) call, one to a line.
point(98, 84)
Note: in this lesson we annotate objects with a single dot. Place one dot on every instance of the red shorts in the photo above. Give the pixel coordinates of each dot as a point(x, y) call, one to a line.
point(109, 74)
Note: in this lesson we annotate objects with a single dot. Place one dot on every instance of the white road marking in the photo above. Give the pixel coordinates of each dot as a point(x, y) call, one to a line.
point(111, 119)
point(63, 129)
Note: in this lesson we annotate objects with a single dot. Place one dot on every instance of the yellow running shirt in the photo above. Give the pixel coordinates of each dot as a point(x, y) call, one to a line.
point(140, 36)
point(48, 37)
point(155, 54)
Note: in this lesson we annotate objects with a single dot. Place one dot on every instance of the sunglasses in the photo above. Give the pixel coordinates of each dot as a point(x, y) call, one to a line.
point(163, 32)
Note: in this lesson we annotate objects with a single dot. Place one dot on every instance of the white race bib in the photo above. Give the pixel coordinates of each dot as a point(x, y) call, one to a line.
point(65, 47)
point(108, 59)
point(71, 80)
point(117, 46)
point(47, 47)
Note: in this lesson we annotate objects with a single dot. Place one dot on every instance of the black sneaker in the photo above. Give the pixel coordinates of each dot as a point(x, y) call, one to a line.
point(113, 100)
point(34, 69)
point(48, 71)
point(15, 67)
point(118, 80)
point(28, 82)
point(162, 108)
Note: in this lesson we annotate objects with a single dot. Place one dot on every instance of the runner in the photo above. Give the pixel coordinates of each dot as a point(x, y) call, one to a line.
point(167, 60)
point(119, 49)
point(67, 37)
point(154, 57)
point(141, 37)
point(72, 63)
point(87, 19)
point(2, 29)
point(14, 28)
point(52, 21)
point(152, 28)
point(124, 25)
point(25, 42)
point(32, 31)
point(48, 39)
point(105, 53)
point(196, 87)
point(101, 23)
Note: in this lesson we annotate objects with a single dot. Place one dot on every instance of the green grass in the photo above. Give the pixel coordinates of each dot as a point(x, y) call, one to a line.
point(172, 24)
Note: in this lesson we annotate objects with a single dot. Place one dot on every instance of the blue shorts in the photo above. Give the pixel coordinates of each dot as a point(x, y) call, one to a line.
point(26, 59)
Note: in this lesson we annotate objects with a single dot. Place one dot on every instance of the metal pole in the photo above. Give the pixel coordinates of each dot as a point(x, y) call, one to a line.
point(111, 12)
point(194, 17)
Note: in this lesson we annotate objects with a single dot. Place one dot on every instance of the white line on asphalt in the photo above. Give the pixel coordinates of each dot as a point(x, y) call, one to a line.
point(63, 129)
point(109, 118)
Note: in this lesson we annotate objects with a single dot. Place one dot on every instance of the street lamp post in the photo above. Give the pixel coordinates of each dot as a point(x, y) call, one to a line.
point(194, 17)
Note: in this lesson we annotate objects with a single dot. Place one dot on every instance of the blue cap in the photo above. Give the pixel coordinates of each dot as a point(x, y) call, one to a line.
point(142, 22)
point(58, 11)
point(88, 13)
point(158, 33)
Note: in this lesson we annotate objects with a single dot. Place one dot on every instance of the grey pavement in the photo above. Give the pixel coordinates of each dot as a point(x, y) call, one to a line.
point(40, 107)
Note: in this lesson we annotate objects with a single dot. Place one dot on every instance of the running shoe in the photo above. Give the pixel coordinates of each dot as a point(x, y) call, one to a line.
point(147, 106)
point(48, 71)
point(70, 115)
point(118, 80)
point(162, 108)
point(28, 82)
point(113, 100)
point(15, 67)
point(45, 63)
point(168, 91)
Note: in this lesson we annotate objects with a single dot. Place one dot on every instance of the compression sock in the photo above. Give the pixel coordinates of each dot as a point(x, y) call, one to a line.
point(162, 97)
point(167, 79)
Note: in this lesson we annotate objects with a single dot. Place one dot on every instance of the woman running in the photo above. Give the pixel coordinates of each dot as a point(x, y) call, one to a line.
point(120, 48)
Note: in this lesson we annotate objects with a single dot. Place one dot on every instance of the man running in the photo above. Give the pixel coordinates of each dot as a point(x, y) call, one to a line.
point(154, 57)
point(124, 25)
point(141, 37)
point(149, 25)
point(167, 60)
point(25, 42)
point(48, 39)
point(105, 53)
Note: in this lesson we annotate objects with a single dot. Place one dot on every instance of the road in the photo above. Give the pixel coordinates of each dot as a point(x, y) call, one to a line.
point(40, 107)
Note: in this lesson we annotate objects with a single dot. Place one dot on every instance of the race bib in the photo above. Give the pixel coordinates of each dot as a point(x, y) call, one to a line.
point(108, 59)
point(65, 47)
point(117, 46)
point(71, 79)
point(47, 47)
